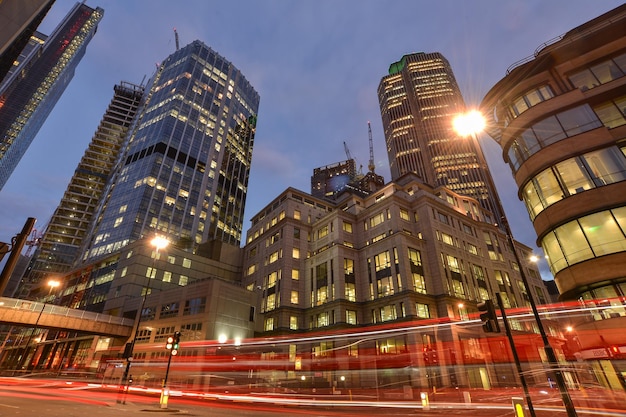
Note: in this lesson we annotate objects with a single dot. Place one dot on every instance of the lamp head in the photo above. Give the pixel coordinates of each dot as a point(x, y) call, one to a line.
point(469, 123)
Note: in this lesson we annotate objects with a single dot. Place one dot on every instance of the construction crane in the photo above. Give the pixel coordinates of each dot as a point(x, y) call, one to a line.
point(176, 39)
point(371, 166)
point(345, 146)
point(34, 241)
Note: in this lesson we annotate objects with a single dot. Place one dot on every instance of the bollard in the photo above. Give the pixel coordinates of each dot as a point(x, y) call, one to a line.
point(165, 394)
point(518, 406)
point(425, 403)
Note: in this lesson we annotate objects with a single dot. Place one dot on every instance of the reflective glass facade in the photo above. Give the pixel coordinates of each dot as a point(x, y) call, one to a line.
point(26, 101)
point(185, 170)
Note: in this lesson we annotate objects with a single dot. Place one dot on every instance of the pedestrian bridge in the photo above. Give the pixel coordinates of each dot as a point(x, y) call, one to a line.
point(28, 313)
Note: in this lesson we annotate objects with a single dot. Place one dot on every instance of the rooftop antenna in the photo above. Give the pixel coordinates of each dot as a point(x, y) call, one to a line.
point(176, 38)
point(371, 166)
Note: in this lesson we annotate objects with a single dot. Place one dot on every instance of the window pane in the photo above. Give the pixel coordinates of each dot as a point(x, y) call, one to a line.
point(553, 252)
point(546, 92)
point(610, 115)
point(520, 106)
point(578, 120)
point(621, 62)
point(548, 131)
point(573, 242)
point(529, 142)
point(533, 97)
point(583, 80)
point(607, 165)
point(606, 71)
point(514, 159)
point(549, 188)
point(574, 176)
point(620, 216)
point(603, 233)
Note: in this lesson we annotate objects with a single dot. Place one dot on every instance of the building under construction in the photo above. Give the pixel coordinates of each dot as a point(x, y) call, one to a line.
point(330, 180)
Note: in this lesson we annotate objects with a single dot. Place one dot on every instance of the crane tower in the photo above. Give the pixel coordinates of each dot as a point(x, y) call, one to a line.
point(371, 166)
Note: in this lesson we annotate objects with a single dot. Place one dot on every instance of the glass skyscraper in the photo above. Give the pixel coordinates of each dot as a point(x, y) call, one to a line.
point(185, 169)
point(419, 100)
point(29, 93)
point(59, 246)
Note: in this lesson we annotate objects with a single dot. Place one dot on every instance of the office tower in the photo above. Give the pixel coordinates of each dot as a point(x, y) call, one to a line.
point(185, 170)
point(419, 100)
point(59, 245)
point(18, 21)
point(560, 118)
point(29, 94)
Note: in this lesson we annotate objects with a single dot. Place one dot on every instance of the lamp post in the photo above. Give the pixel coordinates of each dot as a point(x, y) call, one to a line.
point(52, 284)
point(470, 124)
point(158, 242)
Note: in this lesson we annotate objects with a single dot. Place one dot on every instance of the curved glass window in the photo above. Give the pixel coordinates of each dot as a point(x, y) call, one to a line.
point(573, 176)
point(600, 73)
point(551, 130)
point(589, 237)
point(527, 100)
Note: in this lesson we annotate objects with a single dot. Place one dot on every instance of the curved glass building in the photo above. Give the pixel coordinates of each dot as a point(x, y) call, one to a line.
point(560, 118)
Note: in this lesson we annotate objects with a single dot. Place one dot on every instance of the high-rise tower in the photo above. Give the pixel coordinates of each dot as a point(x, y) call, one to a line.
point(419, 100)
point(185, 170)
point(63, 237)
point(29, 93)
point(18, 21)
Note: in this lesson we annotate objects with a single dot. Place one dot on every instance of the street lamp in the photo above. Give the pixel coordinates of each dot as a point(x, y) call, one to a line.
point(52, 284)
point(471, 124)
point(158, 242)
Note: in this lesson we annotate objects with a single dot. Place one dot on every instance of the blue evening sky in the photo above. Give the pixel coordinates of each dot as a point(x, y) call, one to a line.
point(316, 65)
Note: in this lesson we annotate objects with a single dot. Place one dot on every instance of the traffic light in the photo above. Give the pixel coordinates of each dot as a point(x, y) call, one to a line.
point(176, 343)
point(489, 317)
point(170, 343)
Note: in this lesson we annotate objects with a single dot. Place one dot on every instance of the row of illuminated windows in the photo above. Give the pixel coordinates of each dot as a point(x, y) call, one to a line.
point(586, 238)
point(327, 318)
point(272, 222)
point(563, 125)
point(453, 241)
point(167, 276)
point(192, 306)
point(445, 219)
point(574, 175)
point(189, 331)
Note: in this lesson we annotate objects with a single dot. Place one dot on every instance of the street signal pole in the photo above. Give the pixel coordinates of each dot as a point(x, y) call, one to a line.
point(489, 317)
point(172, 344)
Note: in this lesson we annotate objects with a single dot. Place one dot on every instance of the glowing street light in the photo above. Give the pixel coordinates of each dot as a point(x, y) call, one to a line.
point(52, 284)
point(471, 124)
point(158, 242)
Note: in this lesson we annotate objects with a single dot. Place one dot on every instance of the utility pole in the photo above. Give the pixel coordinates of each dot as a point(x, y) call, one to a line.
point(17, 244)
